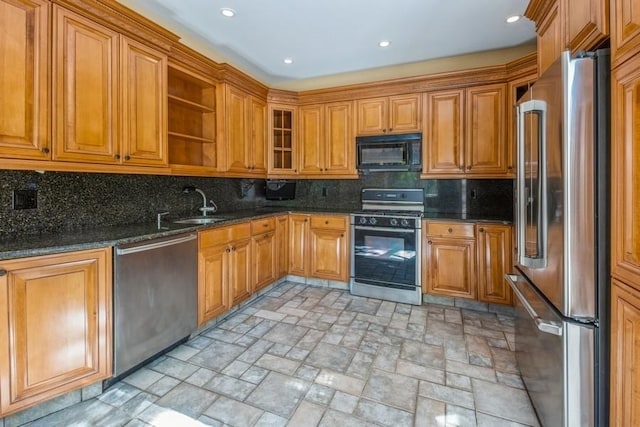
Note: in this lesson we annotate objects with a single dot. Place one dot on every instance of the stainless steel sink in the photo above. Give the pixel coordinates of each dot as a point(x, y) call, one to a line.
point(198, 220)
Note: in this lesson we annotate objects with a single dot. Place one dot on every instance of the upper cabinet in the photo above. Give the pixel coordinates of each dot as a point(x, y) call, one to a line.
point(625, 29)
point(245, 132)
point(326, 142)
point(465, 132)
point(393, 114)
point(24, 83)
point(570, 24)
point(109, 95)
point(282, 143)
point(191, 121)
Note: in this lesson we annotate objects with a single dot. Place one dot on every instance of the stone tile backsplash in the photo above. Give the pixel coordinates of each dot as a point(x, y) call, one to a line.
point(76, 201)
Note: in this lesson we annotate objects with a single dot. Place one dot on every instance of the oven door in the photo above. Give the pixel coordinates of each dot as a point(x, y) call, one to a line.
point(388, 257)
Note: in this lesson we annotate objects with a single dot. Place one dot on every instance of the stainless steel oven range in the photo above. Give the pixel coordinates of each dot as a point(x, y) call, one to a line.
point(385, 245)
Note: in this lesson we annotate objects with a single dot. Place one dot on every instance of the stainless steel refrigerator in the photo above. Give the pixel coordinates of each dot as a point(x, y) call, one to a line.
point(562, 228)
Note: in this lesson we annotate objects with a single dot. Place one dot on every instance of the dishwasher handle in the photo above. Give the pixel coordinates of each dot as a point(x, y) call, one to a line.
point(155, 245)
point(548, 326)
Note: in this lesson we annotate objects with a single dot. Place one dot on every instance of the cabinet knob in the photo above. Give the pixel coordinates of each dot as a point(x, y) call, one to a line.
point(468, 168)
point(390, 129)
point(127, 157)
point(265, 225)
point(342, 235)
point(450, 230)
point(429, 242)
point(510, 167)
point(117, 156)
point(228, 250)
point(481, 230)
point(326, 222)
point(306, 219)
point(295, 170)
point(3, 272)
point(45, 150)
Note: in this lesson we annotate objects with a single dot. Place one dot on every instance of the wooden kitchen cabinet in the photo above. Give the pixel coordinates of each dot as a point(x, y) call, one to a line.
point(466, 132)
point(110, 95)
point(282, 140)
point(586, 23)
point(263, 251)
point(625, 167)
point(549, 28)
point(450, 254)
point(245, 130)
point(625, 355)
point(515, 91)
point(298, 244)
point(24, 46)
point(55, 326)
point(625, 30)
point(494, 261)
point(392, 114)
point(326, 142)
point(191, 123)
point(224, 269)
point(282, 246)
point(329, 246)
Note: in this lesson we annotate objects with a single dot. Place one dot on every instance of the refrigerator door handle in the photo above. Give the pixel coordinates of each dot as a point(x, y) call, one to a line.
point(547, 326)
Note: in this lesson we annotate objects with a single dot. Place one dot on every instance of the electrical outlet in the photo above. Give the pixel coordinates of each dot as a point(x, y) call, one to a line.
point(325, 193)
point(25, 199)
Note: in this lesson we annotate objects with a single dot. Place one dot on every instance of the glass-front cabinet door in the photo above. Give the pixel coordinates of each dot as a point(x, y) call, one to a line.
point(282, 147)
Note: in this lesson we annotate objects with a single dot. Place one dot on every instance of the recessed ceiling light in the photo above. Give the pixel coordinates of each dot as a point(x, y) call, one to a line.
point(225, 11)
point(288, 61)
point(513, 19)
point(384, 43)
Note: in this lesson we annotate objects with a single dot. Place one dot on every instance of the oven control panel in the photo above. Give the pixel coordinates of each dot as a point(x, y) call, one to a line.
point(385, 221)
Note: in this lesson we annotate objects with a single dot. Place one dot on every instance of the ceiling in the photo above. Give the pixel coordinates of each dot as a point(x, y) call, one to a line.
point(337, 37)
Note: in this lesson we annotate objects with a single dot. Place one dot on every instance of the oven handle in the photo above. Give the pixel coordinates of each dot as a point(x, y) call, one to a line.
point(395, 230)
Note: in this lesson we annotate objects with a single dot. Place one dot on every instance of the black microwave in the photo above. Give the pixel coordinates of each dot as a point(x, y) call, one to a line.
point(388, 153)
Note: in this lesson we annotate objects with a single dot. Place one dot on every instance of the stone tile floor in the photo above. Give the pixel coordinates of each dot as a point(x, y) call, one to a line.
point(310, 356)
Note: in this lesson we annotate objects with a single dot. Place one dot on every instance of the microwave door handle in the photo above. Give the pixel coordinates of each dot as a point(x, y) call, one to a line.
point(523, 194)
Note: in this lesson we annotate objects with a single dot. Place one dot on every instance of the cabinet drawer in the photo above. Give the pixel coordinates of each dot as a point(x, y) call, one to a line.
point(450, 229)
point(240, 231)
point(216, 236)
point(260, 226)
point(329, 221)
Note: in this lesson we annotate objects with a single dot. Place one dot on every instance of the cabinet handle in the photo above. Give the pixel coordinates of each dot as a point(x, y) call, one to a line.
point(265, 225)
point(117, 157)
point(45, 150)
point(450, 230)
point(127, 157)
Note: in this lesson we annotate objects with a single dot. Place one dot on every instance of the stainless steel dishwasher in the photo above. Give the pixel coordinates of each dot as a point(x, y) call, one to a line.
point(155, 298)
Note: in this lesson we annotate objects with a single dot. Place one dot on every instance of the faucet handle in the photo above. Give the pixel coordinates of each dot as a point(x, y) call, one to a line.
point(160, 215)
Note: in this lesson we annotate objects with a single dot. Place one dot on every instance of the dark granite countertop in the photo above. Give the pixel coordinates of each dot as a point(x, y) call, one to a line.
point(464, 217)
point(12, 247)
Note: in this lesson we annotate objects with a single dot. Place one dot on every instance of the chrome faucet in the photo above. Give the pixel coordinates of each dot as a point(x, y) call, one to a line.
point(205, 206)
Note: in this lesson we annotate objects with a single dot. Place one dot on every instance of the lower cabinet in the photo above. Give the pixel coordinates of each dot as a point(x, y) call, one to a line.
point(224, 269)
point(625, 355)
point(282, 246)
point(467, 260)
point(263, 248)
point(55, 325)
point(494, 261)
point(329, 245)
point(299, 241)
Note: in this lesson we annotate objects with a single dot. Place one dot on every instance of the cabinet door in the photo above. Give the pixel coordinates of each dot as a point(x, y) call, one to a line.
point(625, 355)
point(298, 243)
point(587, 23)
point(236, 130)
point(451, 267)
point(550, 40)
point(24, 82)
point(339, 143)
point(328, 254)
point(56, 326)
point(404, 113)
point(494, 261)
point(282, 246)
point(258, 136)
point(144, 105)
point(240, 269)
point(85, 97)
point(443, 148)
point(311, 140)
point(625, 29)
point(625, 168)
point(372, 116)
point(486, 149)
point(264, 261)
point(213, 282)
point(282, 147)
